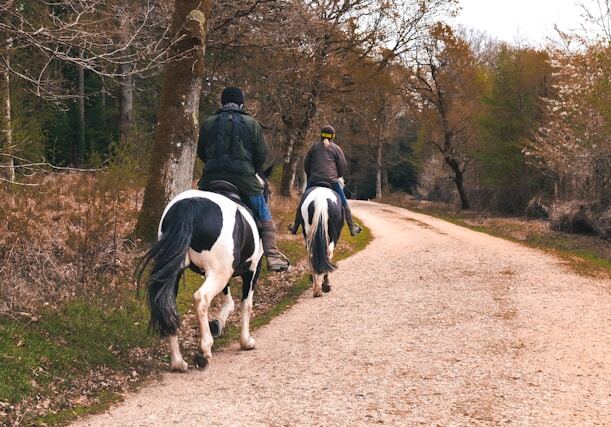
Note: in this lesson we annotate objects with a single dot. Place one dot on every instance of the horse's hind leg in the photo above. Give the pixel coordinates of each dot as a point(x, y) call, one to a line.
point(247, 342)
point(177, 363)
point(317, 284)
point(201, 301)
point(218, 325)
point(326, 286)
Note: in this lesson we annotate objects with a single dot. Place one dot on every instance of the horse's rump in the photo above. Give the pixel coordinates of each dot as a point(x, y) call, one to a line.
point(193, 223)
point(323, 218)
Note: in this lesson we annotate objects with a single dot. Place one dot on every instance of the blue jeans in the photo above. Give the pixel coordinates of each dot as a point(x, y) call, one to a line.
point(338, 189)
point(260, 208)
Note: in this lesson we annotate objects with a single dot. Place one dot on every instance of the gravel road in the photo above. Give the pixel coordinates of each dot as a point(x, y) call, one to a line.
point(432, 324)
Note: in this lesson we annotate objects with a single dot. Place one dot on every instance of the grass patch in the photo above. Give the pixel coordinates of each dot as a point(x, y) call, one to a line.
point(66, 344)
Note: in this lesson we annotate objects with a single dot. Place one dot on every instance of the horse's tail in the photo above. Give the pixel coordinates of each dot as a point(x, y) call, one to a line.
point(318, 238)
point(169, 256)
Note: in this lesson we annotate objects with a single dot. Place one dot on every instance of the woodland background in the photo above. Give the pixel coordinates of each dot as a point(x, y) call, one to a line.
point(101, 102)
point(100, 105)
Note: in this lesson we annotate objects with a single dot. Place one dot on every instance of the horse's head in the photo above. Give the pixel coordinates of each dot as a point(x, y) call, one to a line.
point(264, 178)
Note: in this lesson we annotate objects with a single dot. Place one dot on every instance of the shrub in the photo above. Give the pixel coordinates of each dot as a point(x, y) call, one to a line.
point(537, 209)
point(602, 224)
point(572, 217)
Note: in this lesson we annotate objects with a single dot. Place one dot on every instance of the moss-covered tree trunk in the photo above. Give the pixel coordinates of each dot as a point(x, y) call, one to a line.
point(178, 125)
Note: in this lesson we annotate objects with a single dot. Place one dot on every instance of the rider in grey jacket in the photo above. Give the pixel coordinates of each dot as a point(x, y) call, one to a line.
point(325, 164)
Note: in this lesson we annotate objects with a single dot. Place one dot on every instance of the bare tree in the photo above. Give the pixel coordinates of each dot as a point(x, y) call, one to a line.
point(85, 33)
point(361, 29)
point(443, 82)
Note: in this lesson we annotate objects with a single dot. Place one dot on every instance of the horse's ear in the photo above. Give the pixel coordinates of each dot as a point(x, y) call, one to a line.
point(268, 172)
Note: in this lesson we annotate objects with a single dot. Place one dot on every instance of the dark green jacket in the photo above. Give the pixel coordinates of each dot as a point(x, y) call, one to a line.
point(253, 151)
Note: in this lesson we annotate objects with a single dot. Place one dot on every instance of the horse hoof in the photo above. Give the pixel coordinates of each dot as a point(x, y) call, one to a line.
point(215, 328)
point(317, 294)
point(180, 366)
point(326, 288)
point(249, 345)
point(200, 361)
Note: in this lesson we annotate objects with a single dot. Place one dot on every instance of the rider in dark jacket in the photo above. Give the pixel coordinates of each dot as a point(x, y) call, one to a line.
point(233, 149)
point(325, 164)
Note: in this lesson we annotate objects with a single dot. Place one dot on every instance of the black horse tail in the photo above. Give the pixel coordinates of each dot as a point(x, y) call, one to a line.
point(169, 256)
point(318, 238)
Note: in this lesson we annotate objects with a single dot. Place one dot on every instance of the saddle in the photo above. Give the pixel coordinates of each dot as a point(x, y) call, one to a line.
point(227, 189)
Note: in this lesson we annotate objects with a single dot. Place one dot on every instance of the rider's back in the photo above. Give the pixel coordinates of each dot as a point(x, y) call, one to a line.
point(232, 147)
point(325, 163)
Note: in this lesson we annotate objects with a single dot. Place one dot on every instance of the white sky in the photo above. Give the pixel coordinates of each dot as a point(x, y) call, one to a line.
point(527, 21)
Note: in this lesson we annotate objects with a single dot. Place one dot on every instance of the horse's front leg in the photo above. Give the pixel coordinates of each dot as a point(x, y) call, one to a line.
point(202, 298)
point(247, 342)
point(218, 325)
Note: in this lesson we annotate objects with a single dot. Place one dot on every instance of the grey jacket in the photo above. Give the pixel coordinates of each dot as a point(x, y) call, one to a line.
point(324, 164)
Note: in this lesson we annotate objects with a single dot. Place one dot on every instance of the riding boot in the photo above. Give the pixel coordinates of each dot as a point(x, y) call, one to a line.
point(354, 228)
point(276, 261)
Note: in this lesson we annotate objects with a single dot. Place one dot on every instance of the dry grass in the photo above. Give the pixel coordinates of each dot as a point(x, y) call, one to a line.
point(64, 239)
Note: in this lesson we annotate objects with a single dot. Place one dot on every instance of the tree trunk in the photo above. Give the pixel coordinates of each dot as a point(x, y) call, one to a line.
point(126, 96)
point(296, 145)
point(285, 184)
point(379, 171)
point(127, 101)
point(178, 124)
point(290, 168)
point(6, 126)
point(458, 179)
point(80, 150)
point(301, 176)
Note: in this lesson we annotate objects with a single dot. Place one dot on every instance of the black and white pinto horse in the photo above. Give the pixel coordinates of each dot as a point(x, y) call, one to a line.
point(321, 216)
point(212, 234)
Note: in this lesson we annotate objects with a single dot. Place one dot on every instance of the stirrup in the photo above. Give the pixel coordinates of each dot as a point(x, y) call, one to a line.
point(355, 229)
point(282, 268)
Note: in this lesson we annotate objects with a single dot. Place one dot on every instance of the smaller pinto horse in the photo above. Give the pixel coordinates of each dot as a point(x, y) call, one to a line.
point(213, 233)
point(321, 216)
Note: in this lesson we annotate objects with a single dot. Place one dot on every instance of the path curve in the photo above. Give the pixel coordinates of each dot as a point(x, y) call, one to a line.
point(432, 324)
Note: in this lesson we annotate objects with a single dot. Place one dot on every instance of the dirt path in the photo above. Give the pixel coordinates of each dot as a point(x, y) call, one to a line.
point(432, 324)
